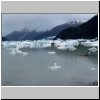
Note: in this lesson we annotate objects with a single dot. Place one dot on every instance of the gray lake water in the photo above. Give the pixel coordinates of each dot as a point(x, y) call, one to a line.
point(32, 70)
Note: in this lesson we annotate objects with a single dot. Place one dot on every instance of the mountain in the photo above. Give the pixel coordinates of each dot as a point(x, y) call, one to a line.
point(4, 39)
point(54, 31)
point(16, 35)
point(87, 30)
point(25, 34)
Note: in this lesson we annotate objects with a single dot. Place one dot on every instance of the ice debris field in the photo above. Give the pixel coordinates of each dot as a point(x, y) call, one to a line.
point(15, 46)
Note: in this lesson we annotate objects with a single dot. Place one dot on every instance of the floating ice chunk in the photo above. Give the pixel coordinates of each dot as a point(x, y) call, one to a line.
point(46, 45)
point(57, 43)
point(13, 52)
point(24, 53)
point(68, 44)
point(62, 48)
point(90, 43)
point(72, 48)
point(24, 44)
point(18, 51)
point(51, 52)
point(54, 67)
point(72, 43)
point(21, 52)
point(93, 49)
point(93, 68)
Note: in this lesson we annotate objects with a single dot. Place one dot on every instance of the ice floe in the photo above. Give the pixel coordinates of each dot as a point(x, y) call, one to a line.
point(51, 52)
point(90, 43)
point(54, 67)
point(62, 47)
point(14, 51)
point(72, 48)
point(67, 45)
point(93, 49)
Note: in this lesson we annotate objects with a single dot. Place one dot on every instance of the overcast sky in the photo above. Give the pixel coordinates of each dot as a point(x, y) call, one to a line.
point(40, 22)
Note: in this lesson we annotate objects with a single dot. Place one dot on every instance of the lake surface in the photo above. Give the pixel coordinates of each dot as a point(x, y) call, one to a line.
point(34, 68)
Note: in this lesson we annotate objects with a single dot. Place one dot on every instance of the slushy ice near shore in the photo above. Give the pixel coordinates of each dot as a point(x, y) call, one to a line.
point(16, 46)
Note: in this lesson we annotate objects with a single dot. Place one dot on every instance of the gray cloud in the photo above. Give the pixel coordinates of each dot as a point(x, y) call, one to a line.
point(40, 22)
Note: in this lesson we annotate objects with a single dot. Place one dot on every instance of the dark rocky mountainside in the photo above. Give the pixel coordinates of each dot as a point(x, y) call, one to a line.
point(87, 30)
